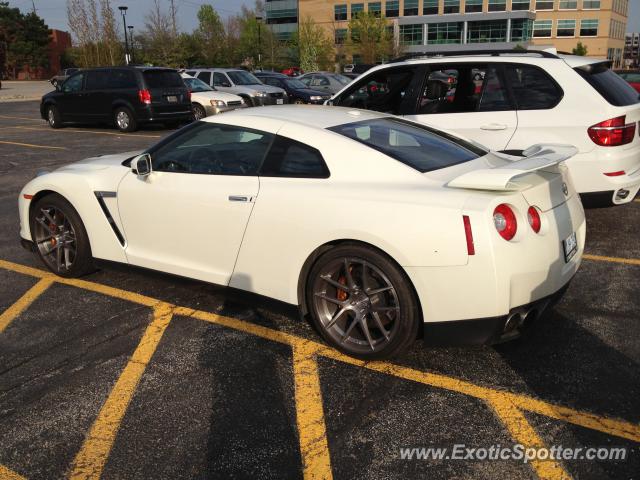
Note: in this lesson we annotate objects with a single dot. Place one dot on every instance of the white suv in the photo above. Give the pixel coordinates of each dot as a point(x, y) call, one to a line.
point(510, 100)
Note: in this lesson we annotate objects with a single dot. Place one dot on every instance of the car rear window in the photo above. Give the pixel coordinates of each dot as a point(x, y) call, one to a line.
point(420, 147)
point(613, 89)
point(162, 79)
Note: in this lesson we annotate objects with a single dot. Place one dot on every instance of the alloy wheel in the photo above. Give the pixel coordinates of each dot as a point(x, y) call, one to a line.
point(122, 119)
point(55, 238)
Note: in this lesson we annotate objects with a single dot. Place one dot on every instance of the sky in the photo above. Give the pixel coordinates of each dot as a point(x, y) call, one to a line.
point(55, 13)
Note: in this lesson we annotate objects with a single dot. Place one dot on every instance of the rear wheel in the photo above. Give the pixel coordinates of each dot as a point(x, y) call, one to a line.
point(362, 303)
point(53, 117)
point(60, 237)
point(125, 120)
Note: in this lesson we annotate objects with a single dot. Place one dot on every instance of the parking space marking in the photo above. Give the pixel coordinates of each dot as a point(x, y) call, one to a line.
point(30, 145)
point(97, 445)
point(23, 302)
point(508, 406)
point(6, 474)
point(601, 258)
point(69, 130)
point(316, 462)
point(523, 433)
point(22, 118)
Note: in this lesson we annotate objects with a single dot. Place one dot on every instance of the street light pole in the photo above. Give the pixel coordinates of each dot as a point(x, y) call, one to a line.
point(133, 48)
point(123, 10)
point(259, 20)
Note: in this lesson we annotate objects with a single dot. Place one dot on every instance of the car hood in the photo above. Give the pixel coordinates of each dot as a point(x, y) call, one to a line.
point(101, 162)
point(208, 96)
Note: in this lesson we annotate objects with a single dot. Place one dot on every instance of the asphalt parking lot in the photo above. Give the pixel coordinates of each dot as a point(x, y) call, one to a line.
point(132, 374)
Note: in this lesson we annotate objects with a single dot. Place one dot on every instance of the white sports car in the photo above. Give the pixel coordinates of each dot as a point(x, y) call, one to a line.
point(375, 226)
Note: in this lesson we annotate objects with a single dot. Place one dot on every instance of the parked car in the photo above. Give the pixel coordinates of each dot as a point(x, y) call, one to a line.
point(293, 71)
point(206, 100)
point(62, 76)
point(348, 68)
point(632, 77)
point(124, 96)
point(372, 224)
point(297, 91)
point(242, 83)
point(325, 81)
point(504, 99)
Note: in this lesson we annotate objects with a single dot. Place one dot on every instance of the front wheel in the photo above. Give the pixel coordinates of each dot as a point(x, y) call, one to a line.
point(53, 117)
point(298, 101)
point(198, 112)
point(60, 237)
point(362, 303)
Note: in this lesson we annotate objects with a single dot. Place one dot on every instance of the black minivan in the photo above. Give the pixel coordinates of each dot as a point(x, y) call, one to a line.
point(124, 96)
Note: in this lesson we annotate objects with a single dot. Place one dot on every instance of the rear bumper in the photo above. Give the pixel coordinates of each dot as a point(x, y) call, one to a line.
point(156, 115)
point(491, 330)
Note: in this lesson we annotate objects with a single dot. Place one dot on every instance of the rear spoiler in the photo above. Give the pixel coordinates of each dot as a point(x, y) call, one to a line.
point(536, 157)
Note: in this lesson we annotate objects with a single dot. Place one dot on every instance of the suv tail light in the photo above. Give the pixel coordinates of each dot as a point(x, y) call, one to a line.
point(144, 96)
point(189, 95)
point(505, 221)
point(534, 219)
point(612, 132)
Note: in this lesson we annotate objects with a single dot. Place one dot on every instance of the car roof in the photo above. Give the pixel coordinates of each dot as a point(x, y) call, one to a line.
point(315, 116)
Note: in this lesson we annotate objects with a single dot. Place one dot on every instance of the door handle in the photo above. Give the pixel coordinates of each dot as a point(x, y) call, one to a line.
point(494, 126)
point(238, 198)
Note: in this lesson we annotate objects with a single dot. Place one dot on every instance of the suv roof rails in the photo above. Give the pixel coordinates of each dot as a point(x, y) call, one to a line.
point(459, 53)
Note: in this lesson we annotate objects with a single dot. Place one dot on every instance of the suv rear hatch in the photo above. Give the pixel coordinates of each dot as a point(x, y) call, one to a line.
point(168, 92)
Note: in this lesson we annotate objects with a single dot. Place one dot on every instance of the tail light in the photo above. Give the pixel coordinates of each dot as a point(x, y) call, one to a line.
point(505, 221)
point(534, 219)
point(144, 96)
point(471, 250)
point(189, 95)
point(612, 132)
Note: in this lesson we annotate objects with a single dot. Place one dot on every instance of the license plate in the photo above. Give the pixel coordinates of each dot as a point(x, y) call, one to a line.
point(279, 101)
point(172, 99)
point(570, 246)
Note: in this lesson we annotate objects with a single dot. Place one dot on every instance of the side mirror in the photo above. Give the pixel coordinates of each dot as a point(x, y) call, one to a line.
point(141, 165)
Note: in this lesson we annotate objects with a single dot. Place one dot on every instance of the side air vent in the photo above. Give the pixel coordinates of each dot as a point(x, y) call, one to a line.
point(100, 196)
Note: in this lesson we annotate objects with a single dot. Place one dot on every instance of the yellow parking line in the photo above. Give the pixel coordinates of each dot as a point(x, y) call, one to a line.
point(93, 455)
point(47, 147)
point(69, 130)
point(6, 474)
point(310, 415)
point(600, 258)
point(22, 118)
point(523, 433)
point(23, 302)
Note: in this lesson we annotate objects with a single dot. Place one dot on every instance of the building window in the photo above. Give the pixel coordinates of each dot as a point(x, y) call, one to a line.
point(589, 28)
point(544, 5)
point(439, 33)
point(340, 12)
point(410, 8)
point(521, 29)
point(430, 7)
point(356, 8)
point(451, 6)
point(411, 34)
point(488, 31)
point(542, 28)
point(520, 4)
point(497, 5)
point(375, 8)
point(340, 35)
point(566, 28)
point(568, 5)
point(472, 6)
point(591, 4)
point(392, 8)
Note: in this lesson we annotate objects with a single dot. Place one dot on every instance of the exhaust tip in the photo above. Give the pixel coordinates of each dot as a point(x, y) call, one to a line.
point(513, 322)
point(622, 194)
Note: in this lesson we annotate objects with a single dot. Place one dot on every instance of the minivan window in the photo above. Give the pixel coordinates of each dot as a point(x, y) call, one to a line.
point(122, 79)
point(420, 147)
point(610, 86)
point(97, 79)
point(240, 77)
point(162, 79)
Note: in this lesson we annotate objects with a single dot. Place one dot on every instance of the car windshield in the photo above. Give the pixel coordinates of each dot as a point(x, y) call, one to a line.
point(240, 77)
point(613, 89)
point(162, 79)
point(631, 77)
point(294, 83)
point(420, 147)
point(341, 79)
point(196, 85)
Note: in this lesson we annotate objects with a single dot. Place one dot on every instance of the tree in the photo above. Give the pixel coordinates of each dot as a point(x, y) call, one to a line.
point(24, 40)
point(580, 50)
point(370, 37)
point(314, 47)
point(113, 50)
point(211, 34)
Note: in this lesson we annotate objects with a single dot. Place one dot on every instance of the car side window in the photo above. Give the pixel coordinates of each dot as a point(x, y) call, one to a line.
point(212, 149)
point(122, 79)
point(464, 88)
point(205, 77)
point(532, 87)
point(220, 80)
point(290, 158)
point(383, 91)
point(191, 73)
point(307, 80)
point(97, 80)
point(319, 81)
point(73, 84)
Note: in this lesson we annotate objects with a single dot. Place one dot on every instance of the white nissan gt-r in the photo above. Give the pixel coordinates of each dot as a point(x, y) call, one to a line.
point(375, 226)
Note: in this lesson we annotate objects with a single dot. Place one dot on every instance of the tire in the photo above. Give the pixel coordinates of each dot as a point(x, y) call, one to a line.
point(391, 315)
point(125, 120)
point(198, 112)
point(299, 101)
point(53, 117)
point(247, 100)
point(59, 237)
